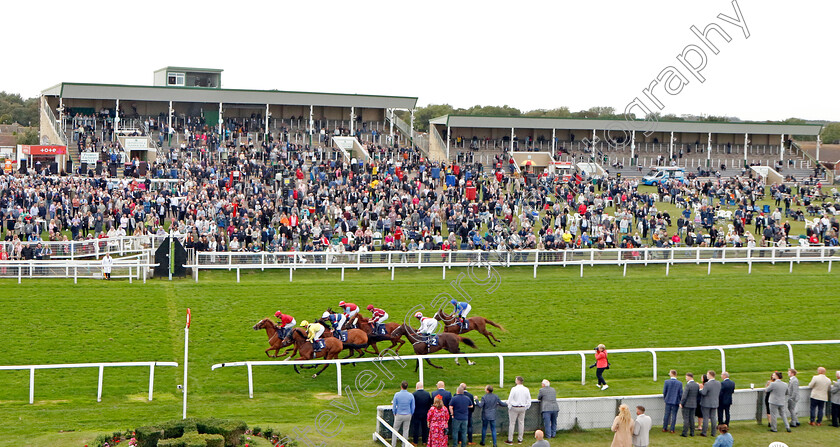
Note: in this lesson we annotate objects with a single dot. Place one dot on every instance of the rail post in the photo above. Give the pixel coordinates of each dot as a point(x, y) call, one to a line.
point(501, 371)
point(790, 354)
point(722, 359)
point(99, 387)
point(338, 377)
point(653, 353)
point(250, 381)
point(582, 368)
point(32, 385)
point(151, 380)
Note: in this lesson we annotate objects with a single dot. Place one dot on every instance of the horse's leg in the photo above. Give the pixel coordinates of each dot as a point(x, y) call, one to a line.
point(432, 364)
point(417, 365)
point(487, 334)
point(469, 362)
point(319, 372)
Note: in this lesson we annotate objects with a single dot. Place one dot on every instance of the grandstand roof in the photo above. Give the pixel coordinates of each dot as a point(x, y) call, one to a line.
point(74, 90)
point(530, 122)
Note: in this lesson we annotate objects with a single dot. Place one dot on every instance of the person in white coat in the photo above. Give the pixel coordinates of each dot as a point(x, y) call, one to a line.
point(107, 262)
point(641, 428)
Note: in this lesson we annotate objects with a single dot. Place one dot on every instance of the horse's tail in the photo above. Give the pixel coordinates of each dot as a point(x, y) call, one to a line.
point(467, 342)
point(490, 322)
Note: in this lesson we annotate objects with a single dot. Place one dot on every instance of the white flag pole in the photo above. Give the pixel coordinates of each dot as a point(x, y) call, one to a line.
point(186, 362)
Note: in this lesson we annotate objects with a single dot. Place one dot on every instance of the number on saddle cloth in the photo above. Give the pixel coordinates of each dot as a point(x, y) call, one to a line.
point(380, 329)
point(318, 345)
point(432, 340)
point(341, 335)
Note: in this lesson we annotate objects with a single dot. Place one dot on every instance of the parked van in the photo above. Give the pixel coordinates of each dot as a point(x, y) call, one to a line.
point(663, 174)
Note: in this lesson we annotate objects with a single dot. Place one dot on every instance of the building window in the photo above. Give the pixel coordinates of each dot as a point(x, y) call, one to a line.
point(173, 78)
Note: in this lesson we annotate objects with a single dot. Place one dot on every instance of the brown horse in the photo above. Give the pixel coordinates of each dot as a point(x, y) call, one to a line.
point(476, 324)
point(447, 341)
point(332, 347)
point(274, 340)
point(357, 339)
point(365, 325)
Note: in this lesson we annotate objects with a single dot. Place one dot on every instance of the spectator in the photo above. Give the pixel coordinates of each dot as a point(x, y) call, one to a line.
point(819, 385)
point(641, 428)
point(724, 439)
point(793, 397)
point(488, 404)
point(601, 364)
point(441, 391)
point(107, 263)
point(541, 442)
point(422, 404)
point(623, 427)
point(438, 421)
point(469, 417)
point(835, 401)
point(672, 392)
point(403, 407)
point(459, 407)
point(549, 408)
point(727, 388)
point(519, 400)
point(777, 392)
point(709, 402)
point(689, 404)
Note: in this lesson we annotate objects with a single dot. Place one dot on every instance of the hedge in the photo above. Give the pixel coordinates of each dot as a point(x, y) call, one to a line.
point(162, 434)
point(194, 440)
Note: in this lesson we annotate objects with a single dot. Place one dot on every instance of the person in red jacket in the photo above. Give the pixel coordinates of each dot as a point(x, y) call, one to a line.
point(601, 364)
point(286, 323)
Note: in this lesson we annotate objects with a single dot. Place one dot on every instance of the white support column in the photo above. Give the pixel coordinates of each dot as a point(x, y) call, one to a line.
point(447, 138)
point(412, 128)
point(594, 136)
point(171, 111)
point(116, 121)
point(391, 113)
point(709, 151)
point(818, 148)
point(60, 113)
point(267, 114)
point(352, 120)
point(511, 139)
point(671, 147)
point(553, 142)
point(632, 147)
point(782, 148)
point(746, 143)
point(312, 123)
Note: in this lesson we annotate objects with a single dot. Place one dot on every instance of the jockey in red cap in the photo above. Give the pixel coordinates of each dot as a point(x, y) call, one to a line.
point(351, 310)
point(286, 323)
point(378, 318)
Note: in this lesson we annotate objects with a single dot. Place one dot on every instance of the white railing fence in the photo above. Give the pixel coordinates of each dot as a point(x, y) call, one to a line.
point(502, 355)
point(131, 268)
point(621, 257)
point(101, 366)
point(115, 246)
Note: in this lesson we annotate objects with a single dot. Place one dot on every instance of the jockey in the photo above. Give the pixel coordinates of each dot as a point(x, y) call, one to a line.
point(313, 330)
point(379, 316)
point(428, 326)
point(286, 323)
point(351, 310)
point(463, 309)
point(336, 320)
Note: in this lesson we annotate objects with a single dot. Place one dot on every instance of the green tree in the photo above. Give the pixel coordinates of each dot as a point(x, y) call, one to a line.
point(15, 109)
point(831, 133)
point(30, 136)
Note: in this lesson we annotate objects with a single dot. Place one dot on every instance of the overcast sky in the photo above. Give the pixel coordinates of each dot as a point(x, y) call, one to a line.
point(524, 54)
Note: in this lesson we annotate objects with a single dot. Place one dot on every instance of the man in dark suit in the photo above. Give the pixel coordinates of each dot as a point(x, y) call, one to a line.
point(422, 403)
point(688, 403)
point(672, 392)
point(709, 403)
point(469, 420)
point(727, 388)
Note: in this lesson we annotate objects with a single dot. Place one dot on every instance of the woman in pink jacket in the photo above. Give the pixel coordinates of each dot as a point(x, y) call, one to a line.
point(601, 363)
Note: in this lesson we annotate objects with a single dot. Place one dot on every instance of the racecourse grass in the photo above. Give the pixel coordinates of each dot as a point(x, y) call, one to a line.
point(55, 321)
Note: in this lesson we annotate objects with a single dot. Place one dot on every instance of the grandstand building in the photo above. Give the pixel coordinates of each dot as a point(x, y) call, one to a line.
point(620, 145)
point(134, 116)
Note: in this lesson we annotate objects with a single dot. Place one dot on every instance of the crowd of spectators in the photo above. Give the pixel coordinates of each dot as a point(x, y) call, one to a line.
point(280, 196)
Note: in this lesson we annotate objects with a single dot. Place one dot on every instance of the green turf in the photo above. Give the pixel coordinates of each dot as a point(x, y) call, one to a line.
point(55, 321)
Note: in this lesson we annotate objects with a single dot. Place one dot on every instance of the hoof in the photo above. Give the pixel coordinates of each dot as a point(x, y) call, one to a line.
point(314, 376)
point(470, 362)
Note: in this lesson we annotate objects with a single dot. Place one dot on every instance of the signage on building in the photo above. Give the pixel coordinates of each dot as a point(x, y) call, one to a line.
point(89, 157)
point(43, 150)
point(136, 144)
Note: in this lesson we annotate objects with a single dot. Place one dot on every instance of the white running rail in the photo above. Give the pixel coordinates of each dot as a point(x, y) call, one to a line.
point(620, 257)
point(101, 366)
point(502, 355)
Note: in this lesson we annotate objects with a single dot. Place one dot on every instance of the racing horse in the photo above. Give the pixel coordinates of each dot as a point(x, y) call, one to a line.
point(275, 342)
point(479, 324)
point(373, 339)
point(332, 346)
point(447, 341)
point(357, 339)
